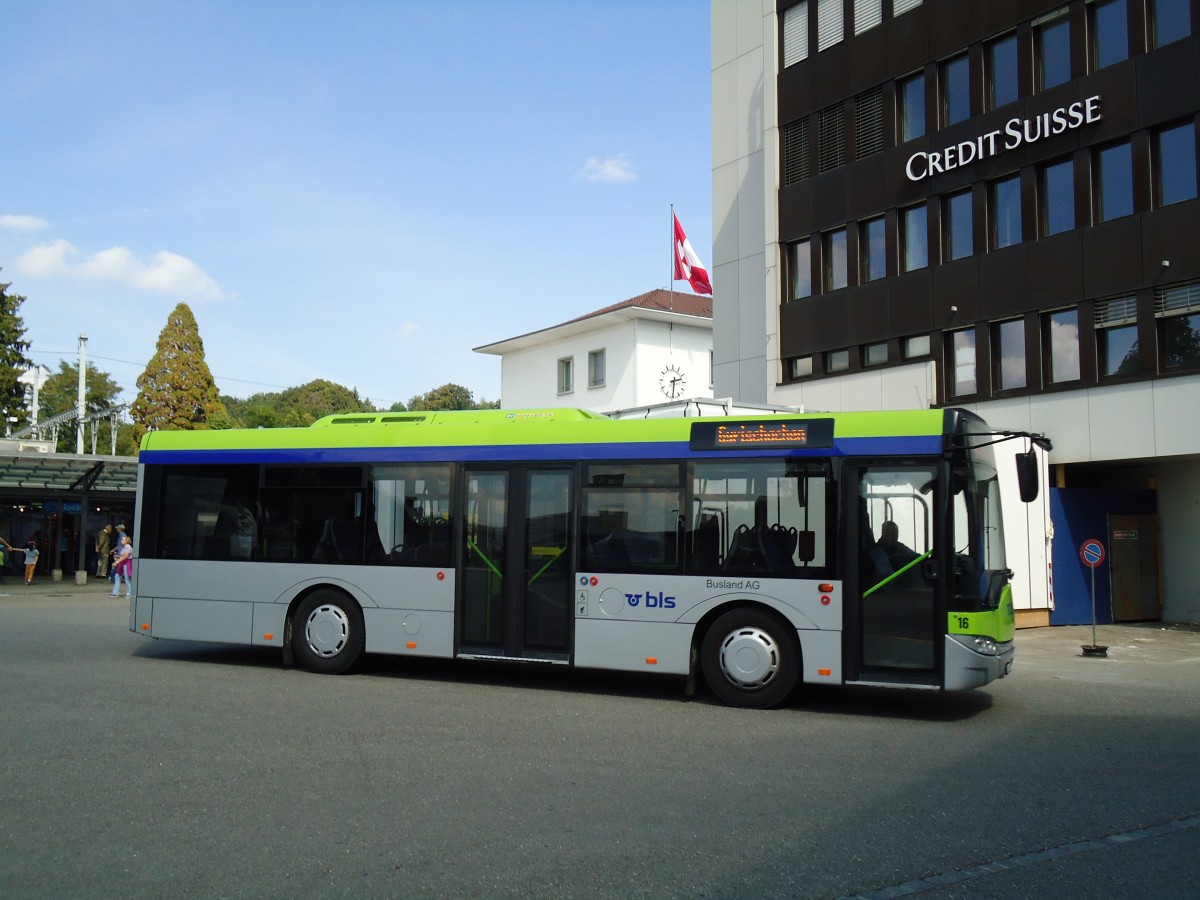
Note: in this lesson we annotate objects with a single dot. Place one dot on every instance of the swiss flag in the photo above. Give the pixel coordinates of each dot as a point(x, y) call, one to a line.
point(687, 264)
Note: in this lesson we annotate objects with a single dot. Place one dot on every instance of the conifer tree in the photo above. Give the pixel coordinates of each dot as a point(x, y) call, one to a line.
point(177, 391)
point(13, 361)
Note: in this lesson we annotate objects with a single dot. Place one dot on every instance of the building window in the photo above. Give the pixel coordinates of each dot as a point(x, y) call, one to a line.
point(800, 268)
point(1005, 209)
point(837, 361)
point(1009, 354)
point(956, 90)
point(867, 15)
point(795, 34)
point(800, 367)
point(834, 260)
point(956, 226)
point(1177, 311)
point(911, 96)
point(1117, 336)
point(875, 354)
point(830, 24)
point(1114, 177)
point(1001, 63)
point(1108, 28)
point(903, 6)
point(915, 238)
point(566, 375)
point(1061, 337)
point(915, 347)
point(872, 245)
point(868, 123)
point(1056, 198)
point(831, 149)
point(962, 353)
point(796, 166)
point(1175, 164)
point(596, 369)
point(1172, 20)
point(1052, 49)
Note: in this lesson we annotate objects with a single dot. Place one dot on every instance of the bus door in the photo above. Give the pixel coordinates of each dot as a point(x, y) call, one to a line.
point(515, 590)
point(894, 632)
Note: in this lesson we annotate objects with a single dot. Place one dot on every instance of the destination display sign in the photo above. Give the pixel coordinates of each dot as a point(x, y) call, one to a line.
point(764, 434)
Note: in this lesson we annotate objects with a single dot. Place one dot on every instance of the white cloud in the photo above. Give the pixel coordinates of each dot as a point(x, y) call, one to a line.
point(23, 223)
point(164, 273)
point(407, 330)
point(614, 169)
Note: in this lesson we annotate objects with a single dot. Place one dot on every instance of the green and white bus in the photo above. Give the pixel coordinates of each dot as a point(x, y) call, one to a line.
point(759, 552)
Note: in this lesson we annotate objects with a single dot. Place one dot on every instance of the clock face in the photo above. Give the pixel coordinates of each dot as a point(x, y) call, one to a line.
point(671, 381)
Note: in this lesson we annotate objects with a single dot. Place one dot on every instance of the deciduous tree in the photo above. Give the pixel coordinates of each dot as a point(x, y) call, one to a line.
point(60, 393)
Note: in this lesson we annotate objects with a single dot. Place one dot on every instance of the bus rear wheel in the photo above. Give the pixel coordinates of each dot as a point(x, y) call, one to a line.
point(327, 632)
point(751, 659)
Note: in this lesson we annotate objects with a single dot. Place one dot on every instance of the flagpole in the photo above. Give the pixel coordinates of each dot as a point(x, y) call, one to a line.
point(671, 288)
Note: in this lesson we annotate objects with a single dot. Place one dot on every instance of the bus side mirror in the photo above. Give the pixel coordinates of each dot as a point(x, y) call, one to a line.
point(1027, 475)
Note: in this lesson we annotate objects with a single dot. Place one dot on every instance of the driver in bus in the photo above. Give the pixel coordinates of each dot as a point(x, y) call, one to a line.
point(898, 555)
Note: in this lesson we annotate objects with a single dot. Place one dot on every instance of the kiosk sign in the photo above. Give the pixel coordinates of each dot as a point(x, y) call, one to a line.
point(1091, 553)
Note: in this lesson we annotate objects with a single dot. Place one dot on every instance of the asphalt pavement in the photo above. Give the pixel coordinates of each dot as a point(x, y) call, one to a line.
point(138, 768)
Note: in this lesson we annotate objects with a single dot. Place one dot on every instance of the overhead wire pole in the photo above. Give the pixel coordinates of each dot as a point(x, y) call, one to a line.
point(82, 394)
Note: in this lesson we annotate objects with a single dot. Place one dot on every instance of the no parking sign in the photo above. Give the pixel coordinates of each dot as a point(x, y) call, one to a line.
point(1091, 553)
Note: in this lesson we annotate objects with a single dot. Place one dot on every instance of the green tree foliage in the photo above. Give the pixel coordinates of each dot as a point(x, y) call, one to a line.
point(448, 396)
point(296, 406)
point(60, 393)
point(176, 392)
point(13, 359)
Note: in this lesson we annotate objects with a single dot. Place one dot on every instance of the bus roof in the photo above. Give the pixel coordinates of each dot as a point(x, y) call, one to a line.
point(852, 433)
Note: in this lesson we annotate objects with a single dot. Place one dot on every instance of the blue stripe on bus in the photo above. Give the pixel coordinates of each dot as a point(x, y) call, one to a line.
point(916, 445)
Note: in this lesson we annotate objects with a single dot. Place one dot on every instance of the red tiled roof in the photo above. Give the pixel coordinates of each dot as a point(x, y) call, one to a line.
point(667, 301)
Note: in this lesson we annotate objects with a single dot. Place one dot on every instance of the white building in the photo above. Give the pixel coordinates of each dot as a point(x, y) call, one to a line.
point(652, 348)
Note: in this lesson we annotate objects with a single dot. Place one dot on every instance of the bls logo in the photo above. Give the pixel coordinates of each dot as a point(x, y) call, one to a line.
point(652, 600)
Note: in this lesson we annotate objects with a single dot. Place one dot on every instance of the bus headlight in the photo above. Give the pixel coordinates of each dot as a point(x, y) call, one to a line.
point(986, 646)
point(981, 644)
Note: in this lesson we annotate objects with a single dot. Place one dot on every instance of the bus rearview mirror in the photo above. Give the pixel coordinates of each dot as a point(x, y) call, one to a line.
point(1027, 475)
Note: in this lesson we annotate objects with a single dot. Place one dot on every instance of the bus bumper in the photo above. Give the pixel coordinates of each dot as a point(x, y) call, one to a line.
point(968, 668)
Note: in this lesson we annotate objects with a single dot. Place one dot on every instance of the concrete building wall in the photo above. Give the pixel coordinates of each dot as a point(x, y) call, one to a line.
point(1143, 424)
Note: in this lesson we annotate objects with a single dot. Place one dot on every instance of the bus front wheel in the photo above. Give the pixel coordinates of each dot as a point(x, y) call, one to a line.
point(751, 658)
point(327, 632)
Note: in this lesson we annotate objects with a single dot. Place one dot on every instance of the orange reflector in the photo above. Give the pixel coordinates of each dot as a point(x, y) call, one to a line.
point(824, 588)
point(651, 660)
point(145, 626)
point(267, 637)
point(824, 671)
point(411, 645)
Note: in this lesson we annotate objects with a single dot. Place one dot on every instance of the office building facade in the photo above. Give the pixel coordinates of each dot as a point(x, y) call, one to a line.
point(980, 203)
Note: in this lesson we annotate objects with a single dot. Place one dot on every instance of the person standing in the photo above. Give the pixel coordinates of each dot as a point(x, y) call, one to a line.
point(103, 549)
point(3, 558)
point(124, 568)
point(31, 560)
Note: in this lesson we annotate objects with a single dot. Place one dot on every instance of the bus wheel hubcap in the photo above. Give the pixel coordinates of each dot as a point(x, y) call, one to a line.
point(750, 658)
point(326, 631)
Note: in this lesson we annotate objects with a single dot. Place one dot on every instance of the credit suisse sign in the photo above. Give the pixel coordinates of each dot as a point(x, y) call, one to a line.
point(1015, 133)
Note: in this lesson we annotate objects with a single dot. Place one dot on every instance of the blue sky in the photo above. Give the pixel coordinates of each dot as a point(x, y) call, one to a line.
point(360, 191)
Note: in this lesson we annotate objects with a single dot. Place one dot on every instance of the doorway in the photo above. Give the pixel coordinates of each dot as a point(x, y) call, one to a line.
point(515, 591)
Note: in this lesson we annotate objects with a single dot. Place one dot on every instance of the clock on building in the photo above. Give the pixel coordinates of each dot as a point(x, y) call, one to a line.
point(671, 382)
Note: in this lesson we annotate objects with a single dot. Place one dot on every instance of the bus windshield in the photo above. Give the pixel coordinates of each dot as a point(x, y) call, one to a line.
point(980, 568)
